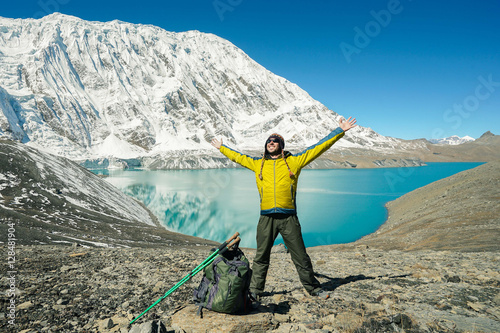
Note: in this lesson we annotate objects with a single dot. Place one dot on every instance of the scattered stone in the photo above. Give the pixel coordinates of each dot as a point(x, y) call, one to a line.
point(25, 305)
point(385, 291)
point(279, 248)
point(150, 327)
point(188, 320)
point(106, 324)
point(479, 307)
point(403, 321)
point(496, 299)
point(348, 321)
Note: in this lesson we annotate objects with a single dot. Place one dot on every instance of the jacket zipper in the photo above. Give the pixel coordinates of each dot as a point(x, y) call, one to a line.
point(275, 210)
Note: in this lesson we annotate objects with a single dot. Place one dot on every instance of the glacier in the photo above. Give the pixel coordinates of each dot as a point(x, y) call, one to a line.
point(116, 94)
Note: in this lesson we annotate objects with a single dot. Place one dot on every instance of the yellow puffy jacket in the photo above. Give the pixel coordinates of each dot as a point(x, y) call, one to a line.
point(277, 189)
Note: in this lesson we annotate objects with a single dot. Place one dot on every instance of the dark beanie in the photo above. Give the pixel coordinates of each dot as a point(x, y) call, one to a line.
point(280, 140)
point(282, 146)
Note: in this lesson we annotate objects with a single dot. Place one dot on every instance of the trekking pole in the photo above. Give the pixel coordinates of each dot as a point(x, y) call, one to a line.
point(221, 249)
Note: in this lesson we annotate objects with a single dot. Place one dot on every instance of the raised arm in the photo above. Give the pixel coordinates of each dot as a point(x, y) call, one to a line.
point(347, 124)
point(216, 143)
point(248, 162)
point(307, 156)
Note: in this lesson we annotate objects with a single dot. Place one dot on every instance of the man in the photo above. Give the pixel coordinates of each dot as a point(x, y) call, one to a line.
point(277, 174)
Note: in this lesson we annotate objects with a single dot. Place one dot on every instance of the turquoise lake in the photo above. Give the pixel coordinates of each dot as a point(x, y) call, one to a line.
point(334, 206)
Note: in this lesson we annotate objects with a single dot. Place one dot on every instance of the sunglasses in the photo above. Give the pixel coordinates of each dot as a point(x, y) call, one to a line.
point(272, 140)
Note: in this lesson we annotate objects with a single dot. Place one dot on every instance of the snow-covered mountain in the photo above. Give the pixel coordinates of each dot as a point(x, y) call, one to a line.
point(93, 90)
point(53, 200)
point(452, 140)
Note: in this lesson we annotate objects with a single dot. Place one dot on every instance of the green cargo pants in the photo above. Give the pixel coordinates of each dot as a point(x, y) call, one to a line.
point(289, 227)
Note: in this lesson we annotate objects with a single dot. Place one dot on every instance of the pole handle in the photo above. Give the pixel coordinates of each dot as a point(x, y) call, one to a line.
point(234, 242)
point(224, 245)
point(236, 234)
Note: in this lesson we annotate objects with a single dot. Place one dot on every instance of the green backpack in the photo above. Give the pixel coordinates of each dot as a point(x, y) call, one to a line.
point(225, 284)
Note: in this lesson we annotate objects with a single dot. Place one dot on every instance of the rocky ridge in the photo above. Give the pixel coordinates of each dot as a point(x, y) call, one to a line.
point(484, 149)
point(53, 200)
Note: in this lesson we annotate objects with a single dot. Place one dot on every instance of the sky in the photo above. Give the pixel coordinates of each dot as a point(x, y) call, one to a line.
point(405, 68)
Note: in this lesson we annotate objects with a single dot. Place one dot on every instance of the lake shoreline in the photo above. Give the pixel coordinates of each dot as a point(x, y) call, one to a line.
point(201, 202)
point(458, 213)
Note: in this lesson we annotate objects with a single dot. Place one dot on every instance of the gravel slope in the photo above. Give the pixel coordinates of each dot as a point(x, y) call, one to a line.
point(460, 213)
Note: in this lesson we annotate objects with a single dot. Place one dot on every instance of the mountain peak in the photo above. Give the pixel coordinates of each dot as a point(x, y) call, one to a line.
point(486, 135)
point(74, 88)
point(452, 140)
point(56, 16)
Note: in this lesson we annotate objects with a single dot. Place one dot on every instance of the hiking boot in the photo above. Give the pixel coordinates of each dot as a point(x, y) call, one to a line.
point(255, 300)
point(321, 293)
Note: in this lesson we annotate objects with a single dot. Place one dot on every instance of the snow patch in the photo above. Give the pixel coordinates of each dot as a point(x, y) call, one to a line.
point(90, 90)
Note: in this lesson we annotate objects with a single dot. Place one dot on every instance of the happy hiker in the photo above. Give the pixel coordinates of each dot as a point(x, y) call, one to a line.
point(277, 174)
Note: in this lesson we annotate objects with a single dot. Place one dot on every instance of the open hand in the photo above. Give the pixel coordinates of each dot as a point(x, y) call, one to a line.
point(216, 143)
point(347, 124)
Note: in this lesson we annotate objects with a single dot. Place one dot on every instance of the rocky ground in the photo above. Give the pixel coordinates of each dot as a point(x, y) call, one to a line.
point(76, 289)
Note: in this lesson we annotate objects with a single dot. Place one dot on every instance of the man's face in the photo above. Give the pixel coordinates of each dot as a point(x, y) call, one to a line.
point(273, 146)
